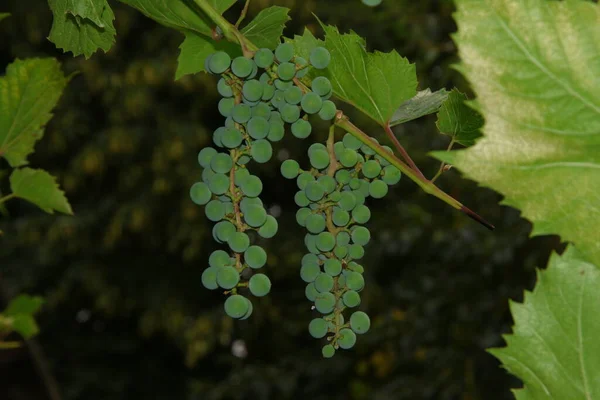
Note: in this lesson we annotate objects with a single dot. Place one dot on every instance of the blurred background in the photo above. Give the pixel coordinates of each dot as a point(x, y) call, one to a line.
point(126, 316)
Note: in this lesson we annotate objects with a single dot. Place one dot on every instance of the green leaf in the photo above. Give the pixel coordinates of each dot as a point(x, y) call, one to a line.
point(554, 348)
point(375, 83)
point(266, 28)
point(179, 14)
point(25, 325)
point(539, 92)
point(4, 15)
point(28, 93)
point(24, 304)
point(81, 35)
point(40, 188)
point(194, 50)
point(423, 103)
point(459, 121)
point(19, 315)
point(88, 9)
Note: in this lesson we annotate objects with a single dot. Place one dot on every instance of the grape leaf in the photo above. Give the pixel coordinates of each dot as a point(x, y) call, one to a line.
point(81, 35)
point(194, 50)
point(40, 188)
point(20, 314)
point(459, 121)
point(4, 15)
point(266, 28)
point(425, 102)
point(375, 83)
point(88, 9)
point(554, 348)
point(179, 14)
point(28, 93)
point(539, 92)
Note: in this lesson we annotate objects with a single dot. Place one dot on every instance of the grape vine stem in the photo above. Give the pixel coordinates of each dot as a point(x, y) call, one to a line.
point(232, 34)
point(243, 14)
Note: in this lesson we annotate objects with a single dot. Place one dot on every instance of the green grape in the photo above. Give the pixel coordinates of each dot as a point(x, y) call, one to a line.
point(315, 223)
point(242, 113)
point(371, 3)
point(309, 258)
point(226, 106)
point(301, 216)
point(325, 241)
point(364, 188)
point(342, 239)
point(290, 113)
point(356, 251)
point(249, 312)
point(264, 58)
point(328, 351)
point(328, 110)
point(304, 179)
point(367, 150)
point(310, 292)
point(205, 156)
point(391, 175)
point(335, 196)
point(360, 198)
point(340, 217)
point(228, 277)
point(254, 71)
point(314, 147)
point(228, 207)
point(283, 85)
point(311, 243)
point(320, 57)
point(328, 95)
point(290, 169)
point(219, 62)
point(354, 281)
point(338, 148)
point(251, 186)
point(301, 65)
point(240, 175)
point(348, 158)
point(293, 95)
point(371, 169)
point(360, 322)
point(276, 130)
point(269, 229)
point(239, 242)
point(229, 122)
point(378, 189)
point(209, 278)
point(340, 251)
point(309, 272)
point(314, 191)
point(261, 151)
point(215, 210)
point(361, 235)
point(253, 90)
point(258, 127)
point(217, 135)
point(206, 61)
point(284, 52)
point(351, 142)
point(218, 259)
point(223, 230)
point(343, 176)
point(319, 159)
point(321, 85)
point(301, 129)
point(231, 138)
point(301, 200)
point(327, 183)
point(333, 267)
point(224, 89)
point(356, 267)
point(361, 214)
point(318, 328)
point(262, 110)
point(243, 160)
point(354, 183)
point(259, 285)
point(286, 71)
point(351, 299)
point(311, 103)
point(200, 193)
point(255, 216)
point(324, 302)
point(242, 67)
point(219, 184)
point(347, 339)
point(247, 202)
point(236, 306)
point(278, 99)
point(268, 92)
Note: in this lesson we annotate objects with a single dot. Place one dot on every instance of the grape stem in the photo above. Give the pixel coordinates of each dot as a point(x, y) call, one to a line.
point(232, 34)
point(7, 197)
point(443, 164)
point(243, 14)
point(401, 150)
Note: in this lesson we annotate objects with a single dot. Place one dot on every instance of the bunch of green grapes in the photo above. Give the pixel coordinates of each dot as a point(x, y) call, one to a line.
point(259, 97)
point(332, 198)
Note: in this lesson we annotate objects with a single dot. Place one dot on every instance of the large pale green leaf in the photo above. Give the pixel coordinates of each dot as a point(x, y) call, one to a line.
point(194, 50)
point(535, 68)
point(28, 93)
point(266, 28)
point(375, 83)
point(40, 188)
point(459, 121)
point(179, 14)
point(554, 348)
point(425, 102)
point(88, 9)
point(79, 35)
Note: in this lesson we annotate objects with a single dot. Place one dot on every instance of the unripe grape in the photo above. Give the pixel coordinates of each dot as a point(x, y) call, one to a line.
point(328, 110)
point(278, 99)
point(315, 223)
point(242, 67)
point(215, 210)
point(347, 339)
point(261, 151)
point(356, 252)
point(309, 258)
point(255, 216)
point(328, 351)
point(226, 106)
point(325, 241)
point(205, 156)
point(310, 241)
point(309, 272)
point(268, 92)
point(340, 251)
point(321, 85)
point(293, 95)
point(343, 176)
point(371, 169)
point(223, 231)
point(253, 90)
point(391, 175)
point(310, 292)
point(378, 189)
point(270, 227)
point(319, 159)
point(354, 281)
point(228, 277)
point(348, 158)
point(290, 113)
point(276, 131)
point(360, 322)
point(351, 299)
point(351, 142)
point(284, 52)
point(200, 193)
point(218, 259)
point(239, 242)
point(361, 235)
point(286, 71)
point(264, 58)
point(209, 278)
point(371, 3)
point(320, 57)
point(241, 113)
point(314, 191)
point(236, 306)
point(318, 328)
point(290, 169)
point(251, 186)
point(340, 217)
point(304, 179)
point(283, 85)
point(332, 267)
point(325, 302)
point(240, 175)
point(301, 216)
point(219, 62)
point(249, 312)
point(301, 129)
point(356, 267)
point(361, 214)
point(327, 183)
point(259, 285)
point(311, 103)
point(258, 127)
point(219, 184)
point(342, 239)
point(224, 89)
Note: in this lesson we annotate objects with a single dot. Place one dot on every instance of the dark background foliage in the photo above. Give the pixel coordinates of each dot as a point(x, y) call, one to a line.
point(126, 316)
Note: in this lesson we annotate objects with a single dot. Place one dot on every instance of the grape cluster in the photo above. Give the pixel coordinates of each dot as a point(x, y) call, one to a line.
point(332, 198)
point(259, 96)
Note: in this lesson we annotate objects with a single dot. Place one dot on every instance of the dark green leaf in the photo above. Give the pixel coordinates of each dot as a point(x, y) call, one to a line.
point(40, 188)
point(424, 103)
point(266, 28)
point(194, 50)
point(459, 121)
point(4, 15)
